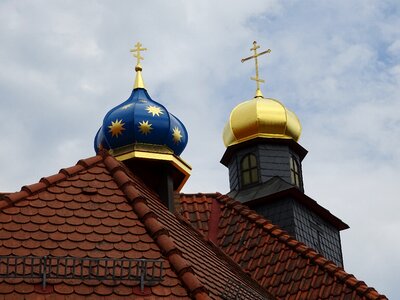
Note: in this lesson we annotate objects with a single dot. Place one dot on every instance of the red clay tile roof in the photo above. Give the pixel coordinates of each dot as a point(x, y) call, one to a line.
point(288, 269)
point(98, 209)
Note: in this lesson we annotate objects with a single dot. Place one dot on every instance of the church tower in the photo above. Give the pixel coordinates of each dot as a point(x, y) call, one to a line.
point(264, 160)
point(147, 138)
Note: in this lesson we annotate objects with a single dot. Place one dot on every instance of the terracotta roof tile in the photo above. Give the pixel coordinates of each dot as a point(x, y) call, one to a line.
point(13, 198)
point(6, 289)
point(285, 267)
point(63, 289)
point(33, 188)
point(71, 170)
point(12, 226)
point(102, 290)
point(20, 218)
point(24, 288)
point(99, 209)
point(83, 290)
point(111, 238)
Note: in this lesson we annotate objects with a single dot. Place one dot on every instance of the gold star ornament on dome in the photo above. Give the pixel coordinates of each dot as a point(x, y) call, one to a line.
point(116, 128)
point(154, 110)
point(176, 135)
point(145, 127)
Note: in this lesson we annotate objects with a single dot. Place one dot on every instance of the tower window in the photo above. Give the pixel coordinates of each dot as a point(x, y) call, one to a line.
point(295, 171)
point(249, 169)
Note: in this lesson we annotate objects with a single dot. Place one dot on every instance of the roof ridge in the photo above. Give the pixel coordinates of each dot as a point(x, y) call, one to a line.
point(157, 231)
point(31, 189)
point(349, 279)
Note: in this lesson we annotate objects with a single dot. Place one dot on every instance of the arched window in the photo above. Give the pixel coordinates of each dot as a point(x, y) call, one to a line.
point(295, 172)
point(249, 169)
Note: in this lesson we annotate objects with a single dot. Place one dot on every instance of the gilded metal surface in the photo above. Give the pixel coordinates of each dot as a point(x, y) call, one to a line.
point(139, 83)
point(158, 153)
point(137, 49)
point(255, 56)
point(152, 148)
point(261, 117)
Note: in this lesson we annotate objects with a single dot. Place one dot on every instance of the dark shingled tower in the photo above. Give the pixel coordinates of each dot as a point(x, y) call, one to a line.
point(264, 161)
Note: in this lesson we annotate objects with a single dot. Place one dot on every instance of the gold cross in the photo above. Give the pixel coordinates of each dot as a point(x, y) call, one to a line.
point(255, 56)
point(137, 49)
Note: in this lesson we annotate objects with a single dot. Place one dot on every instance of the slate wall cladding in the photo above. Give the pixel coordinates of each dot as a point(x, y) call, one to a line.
point(273, 160)
point(279, 212)
point(234, 174)
point(305, 226)
point(318, 234)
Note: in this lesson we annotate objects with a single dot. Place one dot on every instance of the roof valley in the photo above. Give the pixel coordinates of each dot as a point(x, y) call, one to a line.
point(214, 221)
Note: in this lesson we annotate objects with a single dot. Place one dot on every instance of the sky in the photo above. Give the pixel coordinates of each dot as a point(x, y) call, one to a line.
point(336, 64)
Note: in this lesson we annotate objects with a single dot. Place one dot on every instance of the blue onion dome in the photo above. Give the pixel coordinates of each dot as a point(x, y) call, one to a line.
point(141, 120)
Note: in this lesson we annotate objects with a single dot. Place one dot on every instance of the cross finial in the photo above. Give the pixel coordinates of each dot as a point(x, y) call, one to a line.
point(255, 56)
point(137, 49)
point(136, 53)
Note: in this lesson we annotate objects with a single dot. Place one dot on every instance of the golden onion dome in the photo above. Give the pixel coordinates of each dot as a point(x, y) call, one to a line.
point(261, 117)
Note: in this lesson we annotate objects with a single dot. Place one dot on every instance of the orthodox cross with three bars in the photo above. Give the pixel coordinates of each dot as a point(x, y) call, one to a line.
point(255, 56)
point(137, 49)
